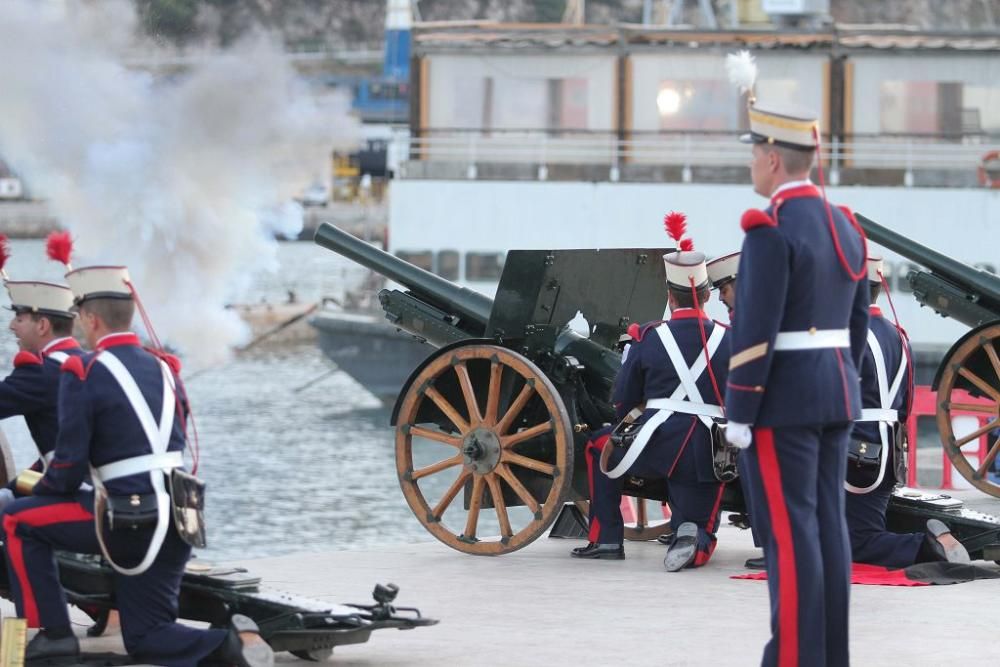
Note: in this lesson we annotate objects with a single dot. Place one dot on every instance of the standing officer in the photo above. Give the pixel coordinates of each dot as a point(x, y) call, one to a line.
point(671, 393)
point(875, 458)
point(793, 385)
point(120, 413)
point(43, 326)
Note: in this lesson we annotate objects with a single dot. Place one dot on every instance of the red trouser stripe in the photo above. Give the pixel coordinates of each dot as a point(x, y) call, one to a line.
point(687, 438)
point(704, 555)
point(594, 448)
point(35, 517)
point(713, 518)
point(788, 593)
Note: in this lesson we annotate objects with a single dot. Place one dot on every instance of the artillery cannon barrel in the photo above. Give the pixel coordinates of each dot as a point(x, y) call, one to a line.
point(976, 281)
point(448, 296)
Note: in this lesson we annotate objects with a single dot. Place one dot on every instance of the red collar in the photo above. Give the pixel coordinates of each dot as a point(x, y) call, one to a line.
point(875, 310)
point(116, 339)
point(782, 196)
point(688, 314)
point(59, 344)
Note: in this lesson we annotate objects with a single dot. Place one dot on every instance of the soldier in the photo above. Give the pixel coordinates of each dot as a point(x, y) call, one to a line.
point(722, 274)
point(875, 463)
point(43, 326)
point(108, 399)
point(671, 394)
point(793, 387)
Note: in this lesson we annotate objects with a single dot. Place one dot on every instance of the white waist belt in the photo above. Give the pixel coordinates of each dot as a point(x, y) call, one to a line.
point(685, 407)
point(812, 340)
point(879, 415)
point(137, 464)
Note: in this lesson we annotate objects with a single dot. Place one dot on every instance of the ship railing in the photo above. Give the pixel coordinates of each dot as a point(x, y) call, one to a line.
point(904, 153)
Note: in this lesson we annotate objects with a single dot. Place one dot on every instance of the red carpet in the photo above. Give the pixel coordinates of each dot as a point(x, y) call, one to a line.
point(922, 574)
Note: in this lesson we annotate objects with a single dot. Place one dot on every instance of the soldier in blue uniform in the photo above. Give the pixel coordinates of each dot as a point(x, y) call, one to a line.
point(722, 273)
point(120, 413)
point(874, 465)
point(43, 326)
point(666, 389)
point(792, 392)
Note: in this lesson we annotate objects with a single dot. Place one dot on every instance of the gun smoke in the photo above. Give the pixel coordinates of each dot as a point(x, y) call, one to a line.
point(184, 179)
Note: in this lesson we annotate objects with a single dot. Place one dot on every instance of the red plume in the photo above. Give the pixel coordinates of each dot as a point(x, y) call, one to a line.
point(59, 247)
point(687, 245)
point(4, 251)
point(676, 224)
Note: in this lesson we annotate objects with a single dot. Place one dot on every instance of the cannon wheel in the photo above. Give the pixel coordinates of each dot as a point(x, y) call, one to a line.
point(489, 446)
point(982, 349)
point(649, 521)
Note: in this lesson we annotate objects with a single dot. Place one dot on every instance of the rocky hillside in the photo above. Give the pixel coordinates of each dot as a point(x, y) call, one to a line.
point(316, 23)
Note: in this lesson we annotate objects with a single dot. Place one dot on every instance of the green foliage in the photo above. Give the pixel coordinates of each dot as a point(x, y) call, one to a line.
point(173, 20)
point(549, 11)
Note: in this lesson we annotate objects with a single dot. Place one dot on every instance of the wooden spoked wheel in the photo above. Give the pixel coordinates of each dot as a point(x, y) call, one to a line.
point(506, 441)
point(649, 521)
point(970, 385)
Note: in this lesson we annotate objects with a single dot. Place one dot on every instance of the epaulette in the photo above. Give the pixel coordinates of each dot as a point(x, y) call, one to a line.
point(171, 359)
point(74, 365)
point(637, 332)
point(25, 358)
point(848, 212)
point(754, 217)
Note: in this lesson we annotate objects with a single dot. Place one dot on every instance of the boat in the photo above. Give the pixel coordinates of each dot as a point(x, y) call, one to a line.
point(620, 124)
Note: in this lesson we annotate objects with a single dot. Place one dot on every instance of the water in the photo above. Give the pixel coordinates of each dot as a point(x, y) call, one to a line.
point(286, 471)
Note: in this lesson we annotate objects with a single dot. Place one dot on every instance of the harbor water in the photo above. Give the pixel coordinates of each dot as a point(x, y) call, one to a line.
point(287, 471)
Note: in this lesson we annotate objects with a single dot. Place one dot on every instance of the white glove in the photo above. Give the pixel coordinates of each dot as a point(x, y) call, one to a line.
point(739, 435)
point(6, 498)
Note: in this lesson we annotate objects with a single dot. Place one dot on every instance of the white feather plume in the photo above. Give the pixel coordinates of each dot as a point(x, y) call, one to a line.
point(742, 70)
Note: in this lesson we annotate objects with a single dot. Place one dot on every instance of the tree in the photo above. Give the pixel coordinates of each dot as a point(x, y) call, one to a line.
point(549, 11)
point(173, 20)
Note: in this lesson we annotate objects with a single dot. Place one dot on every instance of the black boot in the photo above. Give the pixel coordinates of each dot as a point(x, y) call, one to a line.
point(234, 652)
point(682, 552)
point(602, 551)
point(45, 647)
point(940, 545)
point(757, 563)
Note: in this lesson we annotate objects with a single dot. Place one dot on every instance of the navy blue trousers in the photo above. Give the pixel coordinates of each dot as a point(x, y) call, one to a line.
point(795, 482)
point(690, 500)
point(34, 527)
point(870, 542)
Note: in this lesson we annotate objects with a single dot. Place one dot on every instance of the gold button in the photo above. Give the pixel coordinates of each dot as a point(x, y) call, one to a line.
point(812, 331)
point(759, 389)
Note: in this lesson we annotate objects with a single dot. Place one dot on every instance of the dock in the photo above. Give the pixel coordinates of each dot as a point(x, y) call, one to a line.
point(538, 607)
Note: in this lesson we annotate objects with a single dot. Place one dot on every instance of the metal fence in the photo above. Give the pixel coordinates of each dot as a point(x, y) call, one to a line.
point(690, 149)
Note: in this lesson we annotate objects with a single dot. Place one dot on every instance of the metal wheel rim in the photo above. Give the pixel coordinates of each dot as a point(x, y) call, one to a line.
point(990, 409)
point(493, 482)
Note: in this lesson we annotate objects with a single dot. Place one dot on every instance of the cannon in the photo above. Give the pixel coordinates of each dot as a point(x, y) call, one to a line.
point(501, 412)
point(968, 377)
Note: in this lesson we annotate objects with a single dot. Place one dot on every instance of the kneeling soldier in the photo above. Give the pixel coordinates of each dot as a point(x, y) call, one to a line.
point(120, 414)
point(875, 454)
point(668, 384)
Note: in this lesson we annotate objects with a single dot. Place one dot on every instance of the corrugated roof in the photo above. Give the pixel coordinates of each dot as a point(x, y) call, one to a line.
point(429, 37)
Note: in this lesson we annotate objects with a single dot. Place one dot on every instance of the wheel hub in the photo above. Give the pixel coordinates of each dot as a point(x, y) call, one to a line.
point(481, 450)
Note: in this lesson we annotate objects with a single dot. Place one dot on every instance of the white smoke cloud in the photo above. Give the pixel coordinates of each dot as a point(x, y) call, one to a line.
point(184, 181)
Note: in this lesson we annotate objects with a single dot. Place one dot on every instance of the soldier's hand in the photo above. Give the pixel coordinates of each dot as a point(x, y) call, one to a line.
point(739, 435)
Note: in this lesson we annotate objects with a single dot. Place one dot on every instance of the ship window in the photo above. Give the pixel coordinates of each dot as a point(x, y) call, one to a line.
point(447, 265)
point(483, 265)
point(422, 258)
point(926, 107)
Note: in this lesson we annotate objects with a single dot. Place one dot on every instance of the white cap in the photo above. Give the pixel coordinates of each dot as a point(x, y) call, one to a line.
point(99, 282)
point(40, 297)
point(788, 126)
point(723, 269)
point(875, 267)
point(684, 266)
